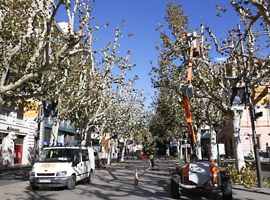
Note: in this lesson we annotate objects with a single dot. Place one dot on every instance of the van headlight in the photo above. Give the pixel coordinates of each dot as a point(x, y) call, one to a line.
point(32, 173)
point(61, 173)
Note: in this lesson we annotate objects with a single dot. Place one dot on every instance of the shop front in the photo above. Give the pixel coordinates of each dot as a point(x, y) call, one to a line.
point(15, 141)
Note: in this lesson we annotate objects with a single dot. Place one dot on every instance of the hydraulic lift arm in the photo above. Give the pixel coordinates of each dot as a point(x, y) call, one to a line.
point(187, 90)
point(185, 99)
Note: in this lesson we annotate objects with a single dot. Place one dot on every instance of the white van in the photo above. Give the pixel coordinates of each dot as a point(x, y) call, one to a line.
point(63, 167)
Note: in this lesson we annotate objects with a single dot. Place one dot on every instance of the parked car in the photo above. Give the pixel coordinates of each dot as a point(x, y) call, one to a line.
point(63, 167)
point(144, 156)
point(138, 153)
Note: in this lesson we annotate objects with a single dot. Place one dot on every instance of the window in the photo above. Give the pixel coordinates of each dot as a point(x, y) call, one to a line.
point(4, 112)
point(85, 156)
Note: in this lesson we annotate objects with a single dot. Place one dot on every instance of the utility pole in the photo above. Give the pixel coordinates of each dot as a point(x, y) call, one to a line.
point(251, 112)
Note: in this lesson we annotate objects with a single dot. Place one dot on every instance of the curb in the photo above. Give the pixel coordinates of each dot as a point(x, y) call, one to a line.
point(253, 189)
point(4, 168)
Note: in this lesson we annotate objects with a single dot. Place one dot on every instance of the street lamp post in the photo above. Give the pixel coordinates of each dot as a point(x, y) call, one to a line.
point(251, 112)
point(216, 128)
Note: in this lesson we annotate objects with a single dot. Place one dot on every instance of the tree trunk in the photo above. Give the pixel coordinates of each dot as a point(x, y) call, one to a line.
point(41, 127)
point(237, 145)
point(88, 137)
point(1, 101)
point(123, 150)
point(85, 137)
point(109, 152)
point(213, 146)
point(178, 148)
point(168, 149)
point(54, 133)
point(199, 145)
point(181, 150)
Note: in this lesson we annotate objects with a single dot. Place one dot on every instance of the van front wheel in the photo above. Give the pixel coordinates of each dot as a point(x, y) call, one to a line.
point(71, 183)
point(33, 187)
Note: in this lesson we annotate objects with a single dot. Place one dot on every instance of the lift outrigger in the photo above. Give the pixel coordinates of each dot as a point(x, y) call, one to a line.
point(197, 174)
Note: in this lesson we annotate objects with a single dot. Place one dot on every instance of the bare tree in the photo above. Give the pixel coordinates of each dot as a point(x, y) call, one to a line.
point(32, 43)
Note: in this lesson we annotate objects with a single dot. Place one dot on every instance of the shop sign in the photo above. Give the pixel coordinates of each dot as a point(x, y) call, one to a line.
point(9, 128)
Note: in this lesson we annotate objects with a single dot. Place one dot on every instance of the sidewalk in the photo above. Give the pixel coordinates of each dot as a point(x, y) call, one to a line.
point(4, 168)
point(17, 172)
point(265, 165)
point(253, 189)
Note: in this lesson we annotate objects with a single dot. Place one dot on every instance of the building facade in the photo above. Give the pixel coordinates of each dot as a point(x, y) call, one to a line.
point(20, 131)
point(17, 138)
point(262, 128)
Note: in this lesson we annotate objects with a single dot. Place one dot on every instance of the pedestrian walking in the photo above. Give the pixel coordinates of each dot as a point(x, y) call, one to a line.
point(152, 159)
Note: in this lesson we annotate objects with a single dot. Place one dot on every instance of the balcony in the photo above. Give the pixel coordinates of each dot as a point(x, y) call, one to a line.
point(18, 125)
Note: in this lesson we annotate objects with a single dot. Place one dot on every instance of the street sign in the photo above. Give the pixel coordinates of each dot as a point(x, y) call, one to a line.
point(260, 96)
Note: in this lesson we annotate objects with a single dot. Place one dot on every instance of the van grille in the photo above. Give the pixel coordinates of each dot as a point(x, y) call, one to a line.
point(45, 174)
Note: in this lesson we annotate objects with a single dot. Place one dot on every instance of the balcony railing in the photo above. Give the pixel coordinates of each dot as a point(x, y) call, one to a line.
point(12, 120)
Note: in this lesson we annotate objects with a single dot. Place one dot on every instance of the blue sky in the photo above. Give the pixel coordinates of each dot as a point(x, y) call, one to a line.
point(142, 18)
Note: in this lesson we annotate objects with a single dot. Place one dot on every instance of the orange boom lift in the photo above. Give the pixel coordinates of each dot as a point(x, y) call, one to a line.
point(197, 174)
point(187, 89)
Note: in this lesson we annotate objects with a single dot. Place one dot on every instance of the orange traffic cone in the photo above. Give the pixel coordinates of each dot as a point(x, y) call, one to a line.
point(136, 177)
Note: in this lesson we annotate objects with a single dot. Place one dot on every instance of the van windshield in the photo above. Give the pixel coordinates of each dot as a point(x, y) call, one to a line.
point(57, 155)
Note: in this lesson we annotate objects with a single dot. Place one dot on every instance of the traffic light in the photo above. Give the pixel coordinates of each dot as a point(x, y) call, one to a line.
point(50, 108)
point(114, 136)
point(258, 114)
